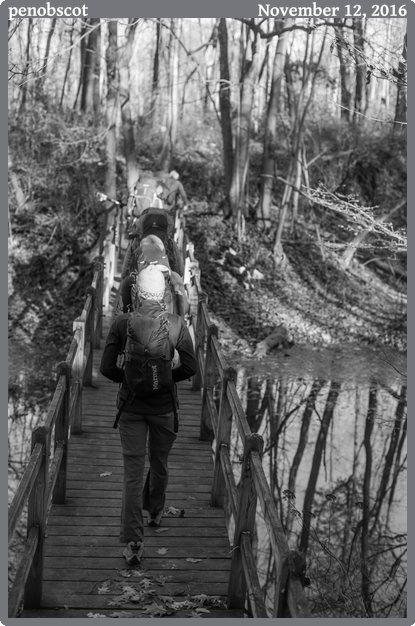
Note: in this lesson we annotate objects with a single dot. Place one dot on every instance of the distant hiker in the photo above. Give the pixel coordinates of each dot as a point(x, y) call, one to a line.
point(148, 337)
point(173, 194)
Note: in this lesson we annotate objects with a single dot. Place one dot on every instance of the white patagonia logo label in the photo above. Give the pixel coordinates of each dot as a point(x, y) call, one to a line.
point(155, 377)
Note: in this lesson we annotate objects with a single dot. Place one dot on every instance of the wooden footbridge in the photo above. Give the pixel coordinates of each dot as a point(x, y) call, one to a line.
point(200, 562)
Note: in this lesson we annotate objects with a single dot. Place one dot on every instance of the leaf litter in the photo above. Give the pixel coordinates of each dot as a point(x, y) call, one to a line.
point(142, 590)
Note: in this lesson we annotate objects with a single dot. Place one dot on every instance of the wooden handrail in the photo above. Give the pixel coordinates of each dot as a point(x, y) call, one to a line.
point(44, 480)
point(289, 596)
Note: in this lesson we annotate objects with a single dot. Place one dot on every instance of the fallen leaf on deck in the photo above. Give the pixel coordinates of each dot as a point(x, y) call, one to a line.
point(96, 615)
point(202, 611)
point(154, 610)
point(162, 530)
point(106, 474)
point(105, 588)
point(172, 511)
point(161, 579)
point(190, 560)
point(162, 551)
point(121, 614)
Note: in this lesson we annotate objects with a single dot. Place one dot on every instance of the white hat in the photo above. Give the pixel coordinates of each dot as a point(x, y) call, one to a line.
point(151, 284)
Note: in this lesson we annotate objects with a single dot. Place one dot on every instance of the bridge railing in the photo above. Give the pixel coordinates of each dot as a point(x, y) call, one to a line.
point(215, 374)
point(44, 480)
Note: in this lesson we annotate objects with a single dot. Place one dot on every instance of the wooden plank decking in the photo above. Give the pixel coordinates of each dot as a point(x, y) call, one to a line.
point(83, 556)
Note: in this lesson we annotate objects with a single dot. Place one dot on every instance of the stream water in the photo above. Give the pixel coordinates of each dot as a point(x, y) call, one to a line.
point(333, 422)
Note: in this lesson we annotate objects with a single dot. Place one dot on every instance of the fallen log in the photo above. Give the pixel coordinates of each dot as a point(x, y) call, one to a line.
point(277, 339)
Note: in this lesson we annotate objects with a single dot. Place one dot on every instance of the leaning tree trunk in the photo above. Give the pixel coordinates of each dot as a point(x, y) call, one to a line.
point(243, 133)
point(225, 103)
point(400, 111)
point(126, 119)
point(270, 138)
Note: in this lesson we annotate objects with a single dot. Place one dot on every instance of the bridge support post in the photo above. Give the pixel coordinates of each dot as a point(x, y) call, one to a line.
point(89, 337)
point(99, 267)
point(208, 383)
point(245, 523)
point(36, 517)
point(62, 435)
point(223, 438)
point(200, 339)
point(78, 371)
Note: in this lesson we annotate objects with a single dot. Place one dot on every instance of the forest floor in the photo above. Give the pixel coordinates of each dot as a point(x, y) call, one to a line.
point(315, 299)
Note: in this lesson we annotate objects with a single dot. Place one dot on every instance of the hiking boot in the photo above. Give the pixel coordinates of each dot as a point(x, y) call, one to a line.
point(133, 552)
point(154, 519)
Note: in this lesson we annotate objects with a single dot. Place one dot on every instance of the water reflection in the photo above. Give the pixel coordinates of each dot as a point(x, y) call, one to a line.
point(335, 458)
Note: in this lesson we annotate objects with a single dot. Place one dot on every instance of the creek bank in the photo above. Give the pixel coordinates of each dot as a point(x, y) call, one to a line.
point(318, 302)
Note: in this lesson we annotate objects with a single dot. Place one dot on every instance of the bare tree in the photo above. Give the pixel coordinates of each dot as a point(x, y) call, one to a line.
point(126, 118)
point(225, 103)
point(270, 136)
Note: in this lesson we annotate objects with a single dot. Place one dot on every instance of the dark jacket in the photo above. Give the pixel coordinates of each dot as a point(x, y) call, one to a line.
point(180, 340)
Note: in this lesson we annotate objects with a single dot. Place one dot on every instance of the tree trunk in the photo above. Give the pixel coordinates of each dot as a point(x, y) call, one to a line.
point(359, 100)
point(68, 65)
point(345, 72)
point(173, 103)
point(27, 66)
point(243, 132)
point(127, 123)
point(90, 77)
point(315, 467)
point(270, 137)
point(400, 111)
point(46, 57)
point(225, 103)
point(111, 112)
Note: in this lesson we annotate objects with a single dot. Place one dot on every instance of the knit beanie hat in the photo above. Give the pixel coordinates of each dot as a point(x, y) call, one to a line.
point(151, 284)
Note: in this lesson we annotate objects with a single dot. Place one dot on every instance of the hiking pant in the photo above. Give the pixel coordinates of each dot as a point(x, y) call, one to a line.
point(133, 434)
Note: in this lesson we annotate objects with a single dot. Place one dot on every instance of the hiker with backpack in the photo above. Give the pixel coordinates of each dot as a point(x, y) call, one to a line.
point(147, 402)
point(173, 194)
point(151, 253)
point(156, 222)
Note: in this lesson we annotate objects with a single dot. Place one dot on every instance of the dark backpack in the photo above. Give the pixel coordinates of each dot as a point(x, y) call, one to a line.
point(147, 362)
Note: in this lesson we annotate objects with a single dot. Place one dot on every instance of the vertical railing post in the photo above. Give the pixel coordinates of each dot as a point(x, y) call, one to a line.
point(109, 270)
point(62, 435)
point(199, 340)
point(244, 523)
point(99, 266)
point(223, 439)
point(77, 370)
point(208, 383)
point(89, 328)
point(36, 516)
